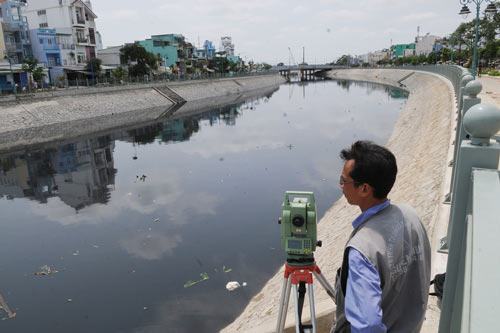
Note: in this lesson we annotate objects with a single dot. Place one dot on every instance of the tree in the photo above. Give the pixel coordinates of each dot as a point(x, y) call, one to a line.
point(94, 66)
point(343, 60)
point(30, 65)
point(119, 73)
point(140, 62)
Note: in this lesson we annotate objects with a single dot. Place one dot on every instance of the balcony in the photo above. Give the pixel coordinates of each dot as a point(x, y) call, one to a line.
point(80, 40)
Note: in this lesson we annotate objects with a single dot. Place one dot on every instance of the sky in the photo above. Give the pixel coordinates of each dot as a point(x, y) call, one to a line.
point(264, 30)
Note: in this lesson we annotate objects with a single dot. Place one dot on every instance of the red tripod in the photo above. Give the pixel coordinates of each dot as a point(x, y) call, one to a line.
point(301, 278)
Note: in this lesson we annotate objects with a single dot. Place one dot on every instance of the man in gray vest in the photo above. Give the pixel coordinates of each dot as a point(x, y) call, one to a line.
point(383, 283)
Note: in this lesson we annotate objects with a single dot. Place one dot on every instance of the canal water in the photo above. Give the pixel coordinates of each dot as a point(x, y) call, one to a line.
point(140, 230)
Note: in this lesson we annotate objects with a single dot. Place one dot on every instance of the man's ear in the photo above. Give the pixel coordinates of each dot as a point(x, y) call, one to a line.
point(366, 190)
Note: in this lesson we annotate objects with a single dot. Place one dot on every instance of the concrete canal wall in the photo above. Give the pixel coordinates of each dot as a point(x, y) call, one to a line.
point(421, 141)
point(70, 113)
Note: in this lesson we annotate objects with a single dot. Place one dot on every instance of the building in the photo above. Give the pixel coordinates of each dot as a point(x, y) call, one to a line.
point(168, 47)
point(424, 45)
point(402, 50)
point(45, 47)
point(227, 45)
point(15, 32)
point(74, 23)
point(209, 48)
point(110, 56)
point(375, 57)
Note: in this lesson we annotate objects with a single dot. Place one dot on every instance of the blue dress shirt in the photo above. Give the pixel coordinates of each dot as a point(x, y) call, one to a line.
point(363, 293)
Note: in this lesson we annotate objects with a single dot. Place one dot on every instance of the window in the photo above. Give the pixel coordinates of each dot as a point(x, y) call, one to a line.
point(44, 25)
point(41, 12)
point(41, 40)
point(49, 41)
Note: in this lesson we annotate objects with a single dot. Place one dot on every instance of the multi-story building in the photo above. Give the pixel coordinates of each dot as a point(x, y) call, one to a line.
point(45, 47)
point(74, 23)
point(424, 45)
point(227, 45)
point(14, 31)
point(110, 56)
point(402, 50)
point(209, 48)
point(171, 48)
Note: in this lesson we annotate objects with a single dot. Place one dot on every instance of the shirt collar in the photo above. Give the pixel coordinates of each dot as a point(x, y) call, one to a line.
point(369, 213)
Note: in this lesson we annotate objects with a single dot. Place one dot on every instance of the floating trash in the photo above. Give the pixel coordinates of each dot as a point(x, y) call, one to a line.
point(46, 270)
point(95, 246)
point(226, 269)
point(233, 285)
point(156, 220)
point(76, 253)
point(4, 306)
point(190, 283)
point(69, 300)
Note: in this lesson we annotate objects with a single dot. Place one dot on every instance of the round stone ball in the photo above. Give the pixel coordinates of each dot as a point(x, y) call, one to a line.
point(466, 79)
point(473, 88)
point(482, 121)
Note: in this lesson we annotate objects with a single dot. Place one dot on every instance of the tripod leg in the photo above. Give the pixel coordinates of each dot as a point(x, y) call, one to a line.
point(284, 299)
point(310, 290)
point(297, 317)
point(324, 283)
point(302, 292)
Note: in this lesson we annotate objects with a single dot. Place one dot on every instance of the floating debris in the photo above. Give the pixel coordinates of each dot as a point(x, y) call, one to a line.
point(140, 178)
point(226, 269)
point(156, 220)
point(190, 283)
point(95, 246)
point(46, 270)
point(233, 285)
point(144, 308)
point(4, 306)
point(69, 300)
point(76, 253)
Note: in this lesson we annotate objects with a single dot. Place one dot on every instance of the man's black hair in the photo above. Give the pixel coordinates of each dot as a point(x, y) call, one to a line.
point(374, 165)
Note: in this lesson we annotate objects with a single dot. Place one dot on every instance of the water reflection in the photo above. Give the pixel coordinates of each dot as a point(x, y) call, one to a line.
point(80, 173)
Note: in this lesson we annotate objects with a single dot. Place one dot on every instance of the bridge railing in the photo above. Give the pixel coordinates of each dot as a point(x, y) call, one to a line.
point(471, 299)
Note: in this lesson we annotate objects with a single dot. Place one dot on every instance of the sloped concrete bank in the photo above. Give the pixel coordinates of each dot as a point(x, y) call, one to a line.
point(421, 141)
point(47, 118)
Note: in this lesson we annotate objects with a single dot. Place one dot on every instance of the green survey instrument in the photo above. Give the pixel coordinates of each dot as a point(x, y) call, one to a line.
point(298, 227)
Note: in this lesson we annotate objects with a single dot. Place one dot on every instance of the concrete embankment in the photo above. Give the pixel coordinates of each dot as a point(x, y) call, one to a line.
point(421, 141)
point(71, 113)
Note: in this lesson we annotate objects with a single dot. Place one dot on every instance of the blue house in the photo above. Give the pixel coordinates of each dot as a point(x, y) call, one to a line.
point(45, 47)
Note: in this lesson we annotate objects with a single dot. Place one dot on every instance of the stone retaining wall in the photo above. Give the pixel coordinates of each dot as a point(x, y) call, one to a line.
point(421, 143)
point(39, 120)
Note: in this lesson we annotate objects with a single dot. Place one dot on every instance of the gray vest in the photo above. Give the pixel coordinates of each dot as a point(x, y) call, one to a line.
point(395, 242)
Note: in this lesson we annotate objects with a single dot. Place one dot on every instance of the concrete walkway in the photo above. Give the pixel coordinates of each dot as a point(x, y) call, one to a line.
point(491, 90)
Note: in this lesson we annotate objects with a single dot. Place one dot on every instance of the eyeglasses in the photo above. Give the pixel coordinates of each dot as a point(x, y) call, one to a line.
point(342, 181)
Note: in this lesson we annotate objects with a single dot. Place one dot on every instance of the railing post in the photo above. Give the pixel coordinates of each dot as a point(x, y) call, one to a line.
point(482, 122)
point(465, 79)
point(470, 92)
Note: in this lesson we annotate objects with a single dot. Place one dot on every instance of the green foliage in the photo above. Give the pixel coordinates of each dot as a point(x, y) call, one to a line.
point(343, 60)
point(119, 73)
point(140, 62)
point(494, 72)
point(30, 65)
point(94, 66)
point(266, 67)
